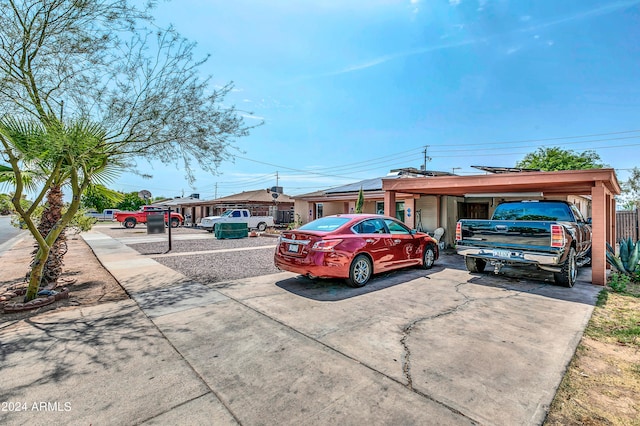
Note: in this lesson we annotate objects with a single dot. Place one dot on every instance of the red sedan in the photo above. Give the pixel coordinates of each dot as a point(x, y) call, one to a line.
point(353, 247)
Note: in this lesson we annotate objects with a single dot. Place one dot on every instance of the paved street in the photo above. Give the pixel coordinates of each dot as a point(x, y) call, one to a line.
point(7, 233)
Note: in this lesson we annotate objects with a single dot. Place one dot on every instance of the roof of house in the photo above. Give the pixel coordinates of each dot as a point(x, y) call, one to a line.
point(374, 184)
point(257, 196)
point(260, 195)
point(490, 169)
point(178, 201)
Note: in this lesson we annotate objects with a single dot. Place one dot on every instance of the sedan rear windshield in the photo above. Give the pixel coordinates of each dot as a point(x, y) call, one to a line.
point(325, 224)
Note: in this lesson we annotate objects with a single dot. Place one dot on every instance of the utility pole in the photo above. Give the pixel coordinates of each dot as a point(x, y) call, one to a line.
point(215, 196)
point(453, 170)
point(426, 158)
point(277, 177)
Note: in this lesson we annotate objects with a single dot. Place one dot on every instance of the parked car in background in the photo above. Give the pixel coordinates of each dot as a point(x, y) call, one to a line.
point(131, 219)
point(353, 247)
point(107, 214)
point(237, 216)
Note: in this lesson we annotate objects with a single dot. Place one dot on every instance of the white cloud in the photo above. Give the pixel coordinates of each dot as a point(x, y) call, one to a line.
point(454, 2)
point(525, 18)
point(513, 50)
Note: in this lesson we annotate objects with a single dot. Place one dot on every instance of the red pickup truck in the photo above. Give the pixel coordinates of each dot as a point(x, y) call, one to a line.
point(131, 219)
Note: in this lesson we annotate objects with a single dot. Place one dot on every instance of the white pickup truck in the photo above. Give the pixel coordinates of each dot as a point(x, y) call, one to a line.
point(237, 216)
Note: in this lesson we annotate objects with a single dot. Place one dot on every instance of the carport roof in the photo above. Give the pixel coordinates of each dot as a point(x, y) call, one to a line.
point(567, 182)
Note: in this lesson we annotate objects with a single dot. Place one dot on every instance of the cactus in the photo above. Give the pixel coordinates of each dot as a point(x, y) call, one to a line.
point(627, 261)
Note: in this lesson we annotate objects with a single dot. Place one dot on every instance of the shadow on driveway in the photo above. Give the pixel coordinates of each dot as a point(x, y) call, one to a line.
point(331, 290)
point(524, 279)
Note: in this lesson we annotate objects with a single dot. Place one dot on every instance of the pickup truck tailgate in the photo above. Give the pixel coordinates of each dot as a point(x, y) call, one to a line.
point(520, 234)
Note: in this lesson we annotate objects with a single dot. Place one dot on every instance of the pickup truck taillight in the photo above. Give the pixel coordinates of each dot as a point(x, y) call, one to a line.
point(557, 236)
point(458, 231)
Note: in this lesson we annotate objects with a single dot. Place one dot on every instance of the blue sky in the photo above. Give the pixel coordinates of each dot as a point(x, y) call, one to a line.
point(349, 89)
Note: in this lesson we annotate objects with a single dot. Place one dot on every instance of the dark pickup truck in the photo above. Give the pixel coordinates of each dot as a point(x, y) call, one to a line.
point(552, 235)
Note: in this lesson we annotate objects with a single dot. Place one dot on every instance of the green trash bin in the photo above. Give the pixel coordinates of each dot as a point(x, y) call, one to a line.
point(231, 230)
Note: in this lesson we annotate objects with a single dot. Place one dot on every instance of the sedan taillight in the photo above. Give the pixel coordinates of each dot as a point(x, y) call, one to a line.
point(458, 231)
point(325, 245)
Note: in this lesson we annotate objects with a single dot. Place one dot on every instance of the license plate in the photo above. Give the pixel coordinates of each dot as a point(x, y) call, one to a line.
point(294, 248)
point(501, 253)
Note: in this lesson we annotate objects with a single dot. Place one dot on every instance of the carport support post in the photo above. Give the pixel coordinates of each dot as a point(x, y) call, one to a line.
point(390, 203)
point(600, 211)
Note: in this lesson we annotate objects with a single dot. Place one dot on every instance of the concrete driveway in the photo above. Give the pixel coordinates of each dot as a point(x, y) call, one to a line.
point(412, 347)
point(459, 348)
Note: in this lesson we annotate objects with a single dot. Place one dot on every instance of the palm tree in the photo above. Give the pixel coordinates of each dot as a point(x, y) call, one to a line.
point(59, 155)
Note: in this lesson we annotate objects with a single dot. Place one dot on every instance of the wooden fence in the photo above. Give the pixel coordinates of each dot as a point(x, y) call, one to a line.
point(627, 224)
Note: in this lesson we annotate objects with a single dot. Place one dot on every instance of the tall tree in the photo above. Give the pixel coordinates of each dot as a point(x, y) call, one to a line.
point(100, 197)
point(630, 197)
point(555, 158)
point(130, 202)
point(93, 85)
point(360, 201)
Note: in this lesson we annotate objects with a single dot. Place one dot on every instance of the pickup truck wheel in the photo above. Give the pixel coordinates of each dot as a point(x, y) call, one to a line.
point(360, 271)
point(567, 276)
point(130, 223)
point(428, 257)
point(262, 226)
point(474, 264)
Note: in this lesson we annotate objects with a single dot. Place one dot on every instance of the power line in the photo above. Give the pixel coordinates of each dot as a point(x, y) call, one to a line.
point(415, 153)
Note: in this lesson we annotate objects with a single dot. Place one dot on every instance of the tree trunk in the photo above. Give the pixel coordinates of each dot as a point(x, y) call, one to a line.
point(46, 269)
point(35, 277)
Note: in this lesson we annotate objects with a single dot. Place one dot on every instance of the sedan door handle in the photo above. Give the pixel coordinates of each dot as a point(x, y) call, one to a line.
point(397, 241)
point(370, 240)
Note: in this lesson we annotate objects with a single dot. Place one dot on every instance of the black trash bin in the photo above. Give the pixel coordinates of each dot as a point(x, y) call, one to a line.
point(155, 223)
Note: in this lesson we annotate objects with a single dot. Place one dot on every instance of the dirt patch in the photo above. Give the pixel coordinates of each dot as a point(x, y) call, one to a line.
point(88, 282)
point(602, 383)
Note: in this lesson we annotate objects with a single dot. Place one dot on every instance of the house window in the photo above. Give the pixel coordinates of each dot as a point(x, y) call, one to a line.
point(380, 207)
point(318, 210)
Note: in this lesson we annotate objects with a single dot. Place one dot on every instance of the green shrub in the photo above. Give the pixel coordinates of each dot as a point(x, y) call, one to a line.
point(618, 282)
point(627, 260)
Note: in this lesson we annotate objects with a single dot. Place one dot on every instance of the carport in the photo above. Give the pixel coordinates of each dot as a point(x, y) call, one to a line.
point(601, 184)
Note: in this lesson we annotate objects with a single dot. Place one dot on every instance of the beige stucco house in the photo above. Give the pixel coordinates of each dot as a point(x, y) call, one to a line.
point(430, 200)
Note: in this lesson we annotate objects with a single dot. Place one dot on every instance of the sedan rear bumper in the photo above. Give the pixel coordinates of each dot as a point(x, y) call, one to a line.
point(318, 264)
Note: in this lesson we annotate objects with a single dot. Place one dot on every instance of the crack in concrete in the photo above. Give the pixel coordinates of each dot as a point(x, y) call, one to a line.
point(406, 331)
point(347, 356)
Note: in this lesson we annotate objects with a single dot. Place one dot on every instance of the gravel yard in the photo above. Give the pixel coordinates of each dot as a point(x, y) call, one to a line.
point(184, 246)
point(223, 266)
point(116, 230)
point(203, 258)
